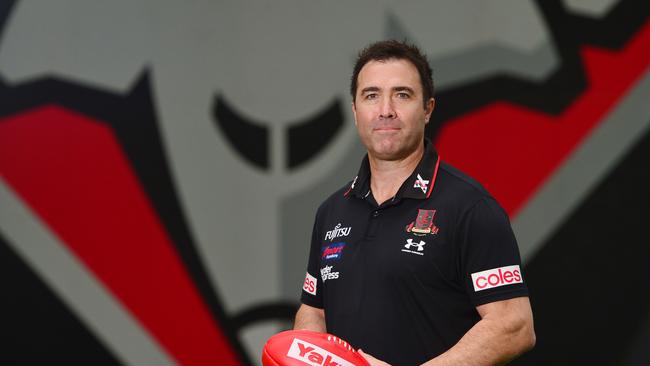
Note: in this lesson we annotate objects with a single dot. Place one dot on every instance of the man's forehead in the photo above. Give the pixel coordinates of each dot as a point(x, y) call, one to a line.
point(389, 73)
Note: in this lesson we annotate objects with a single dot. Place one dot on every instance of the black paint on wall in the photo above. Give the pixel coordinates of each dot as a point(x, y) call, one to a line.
point(590, 283)
point(36, 328)
point(309, 137)
point(250, 139)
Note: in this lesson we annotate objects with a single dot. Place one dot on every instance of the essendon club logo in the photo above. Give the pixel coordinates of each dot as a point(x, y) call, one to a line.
point(423, 224)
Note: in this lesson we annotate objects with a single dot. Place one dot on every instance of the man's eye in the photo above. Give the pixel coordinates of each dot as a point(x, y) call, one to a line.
point(371, 96)
point(403, 95)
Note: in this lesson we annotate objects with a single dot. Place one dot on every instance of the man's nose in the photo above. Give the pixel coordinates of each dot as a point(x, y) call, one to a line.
point(386, 109)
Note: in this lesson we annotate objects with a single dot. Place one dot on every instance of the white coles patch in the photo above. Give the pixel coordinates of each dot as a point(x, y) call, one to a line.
point(496, 277)
point(310, 284)
point(313, 355)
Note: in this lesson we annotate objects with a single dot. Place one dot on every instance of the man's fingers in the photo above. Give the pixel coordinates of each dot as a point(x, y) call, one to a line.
point(373, 361)
point(366, 356)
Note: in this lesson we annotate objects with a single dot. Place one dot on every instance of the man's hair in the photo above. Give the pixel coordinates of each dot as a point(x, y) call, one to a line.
point(392, 49)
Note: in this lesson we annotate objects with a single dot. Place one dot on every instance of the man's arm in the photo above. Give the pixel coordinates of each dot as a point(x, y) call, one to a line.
point(310, 318)
point(504, 332)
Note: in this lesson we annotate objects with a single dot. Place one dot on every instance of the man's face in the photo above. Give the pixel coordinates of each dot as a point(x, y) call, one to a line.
point(388, 111)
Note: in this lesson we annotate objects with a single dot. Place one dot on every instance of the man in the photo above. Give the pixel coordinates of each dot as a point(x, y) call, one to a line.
point(413, 262)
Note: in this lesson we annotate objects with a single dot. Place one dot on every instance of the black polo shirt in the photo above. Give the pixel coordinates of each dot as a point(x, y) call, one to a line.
point(402, 280)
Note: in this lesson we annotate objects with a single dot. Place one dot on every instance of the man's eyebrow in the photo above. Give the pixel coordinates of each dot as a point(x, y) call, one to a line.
point(369, 89)
point(404, 88)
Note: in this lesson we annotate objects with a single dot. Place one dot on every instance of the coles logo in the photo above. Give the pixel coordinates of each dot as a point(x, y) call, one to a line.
point(496, 277)
point(310, 284)
point(313, 355)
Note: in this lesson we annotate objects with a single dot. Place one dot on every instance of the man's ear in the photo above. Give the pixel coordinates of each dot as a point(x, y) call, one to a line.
point(354, 113)
point(430, 106)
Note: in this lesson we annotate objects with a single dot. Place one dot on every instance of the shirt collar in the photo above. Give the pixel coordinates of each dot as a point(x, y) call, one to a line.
point(418, 186)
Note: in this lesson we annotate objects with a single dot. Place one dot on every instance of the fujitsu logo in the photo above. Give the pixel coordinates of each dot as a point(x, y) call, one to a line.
point(496, 277)
point(314, 355)
point(337, 232)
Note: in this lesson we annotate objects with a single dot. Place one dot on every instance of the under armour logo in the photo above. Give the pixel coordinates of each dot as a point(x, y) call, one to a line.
point(410, 244)
point(422, 184)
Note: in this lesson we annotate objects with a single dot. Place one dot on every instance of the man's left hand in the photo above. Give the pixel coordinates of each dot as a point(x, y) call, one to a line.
point(373, 361)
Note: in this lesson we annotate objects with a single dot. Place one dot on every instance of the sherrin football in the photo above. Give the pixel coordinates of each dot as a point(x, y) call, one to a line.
point(305, 347)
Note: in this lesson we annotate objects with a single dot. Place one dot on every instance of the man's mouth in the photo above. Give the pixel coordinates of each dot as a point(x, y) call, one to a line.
point(386, 128)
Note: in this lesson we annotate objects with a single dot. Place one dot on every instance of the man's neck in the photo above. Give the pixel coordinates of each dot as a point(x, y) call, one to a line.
point(386, 177)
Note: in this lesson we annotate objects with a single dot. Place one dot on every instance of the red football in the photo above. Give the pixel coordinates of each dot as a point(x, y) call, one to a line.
point(304, 347)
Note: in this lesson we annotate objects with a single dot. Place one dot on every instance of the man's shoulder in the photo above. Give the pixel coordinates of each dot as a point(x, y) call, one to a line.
point(337, 196)
point(335, 200)
point(460, 185)
point(461, 194)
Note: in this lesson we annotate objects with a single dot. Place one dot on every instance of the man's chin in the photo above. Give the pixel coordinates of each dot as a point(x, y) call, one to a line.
point(391, 151)
point(389, 154)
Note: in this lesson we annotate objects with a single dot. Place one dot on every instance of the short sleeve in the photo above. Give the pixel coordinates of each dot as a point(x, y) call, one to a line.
point(312, 288)
point(490, 263)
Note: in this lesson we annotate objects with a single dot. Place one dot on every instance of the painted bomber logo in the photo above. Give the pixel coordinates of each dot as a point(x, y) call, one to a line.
point(119, 112)
point(423, 224)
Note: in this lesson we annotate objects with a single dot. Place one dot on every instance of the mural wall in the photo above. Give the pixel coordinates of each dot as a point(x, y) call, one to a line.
point(161, 163)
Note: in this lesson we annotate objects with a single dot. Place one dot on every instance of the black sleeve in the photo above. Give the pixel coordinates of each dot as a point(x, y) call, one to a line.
point(489, 257)
point(312, 289)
